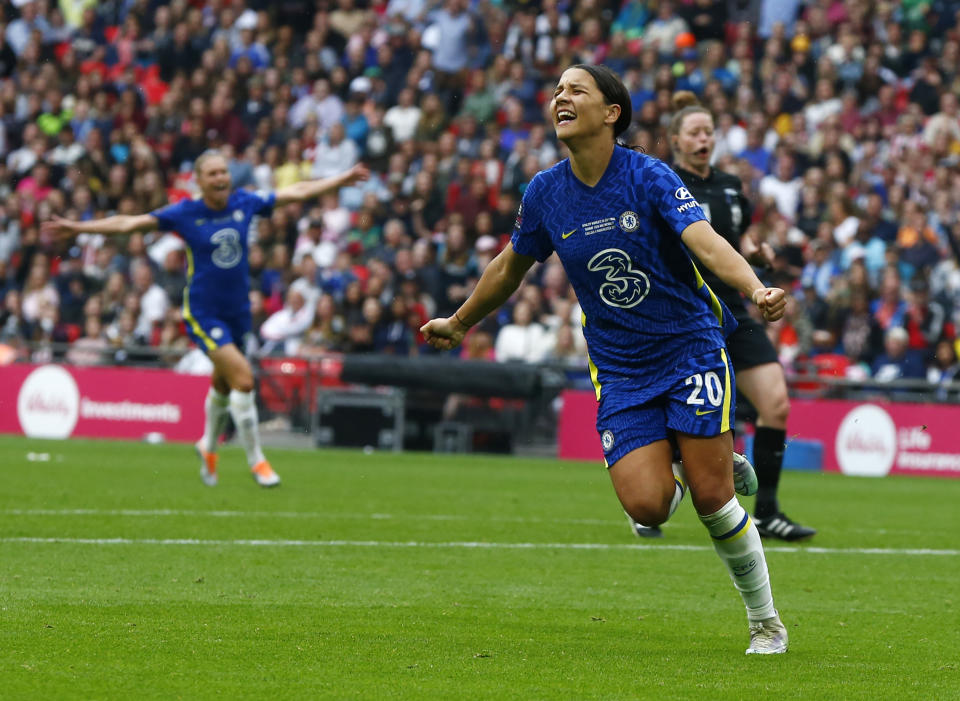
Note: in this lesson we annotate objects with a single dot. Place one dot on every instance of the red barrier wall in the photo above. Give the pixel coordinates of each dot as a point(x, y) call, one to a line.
point(870, 439)
point(54, 401)
point(577, 437)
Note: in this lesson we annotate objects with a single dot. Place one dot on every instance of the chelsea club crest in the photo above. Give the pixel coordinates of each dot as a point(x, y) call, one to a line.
point(606, 440)
point(629, 221)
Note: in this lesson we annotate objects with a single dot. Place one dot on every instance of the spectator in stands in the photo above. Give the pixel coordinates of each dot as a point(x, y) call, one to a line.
point(35, 187)
point(320, 103)
point(122, 335)
point(335, 154)
point(394, 336)
point(455, 266)
point(821, 268)
point(523, 339)
point(861, 337)
point(154, 302)
point(283, 330)
point(844, 221)
point(326, 333)
point(783, 187)
point(38, 291)
point(946, 121)
point(755, 153)
point(20, 31)
point(92, 347)
point(362, 332)
point(480, 102)
point(433, 121)
point(666, 28)
point(925, 319)
point(890, 308)
point(898, 361)
point(916, 240)
point(403, 117)
point(113, 294)
point(13, 327)
point(294, 168)
point(944, 371)
point(72, 288)
point(68, 151)
point(365, 232)
point(9, 232)
point(171, 277)
point(564, 349)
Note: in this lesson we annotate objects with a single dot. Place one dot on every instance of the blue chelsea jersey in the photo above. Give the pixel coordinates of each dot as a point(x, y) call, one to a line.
point(218, 272)
point(644, 303)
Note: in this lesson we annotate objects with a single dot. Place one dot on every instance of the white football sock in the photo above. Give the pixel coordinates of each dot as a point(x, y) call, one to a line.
point(243, 409)
point(737, 542)
point(215, 417)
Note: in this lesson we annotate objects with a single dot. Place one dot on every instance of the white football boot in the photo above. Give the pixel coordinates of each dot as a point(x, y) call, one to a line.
point(744, 476)
point(767, 637)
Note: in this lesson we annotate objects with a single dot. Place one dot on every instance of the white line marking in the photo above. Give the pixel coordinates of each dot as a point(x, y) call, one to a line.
point(281, 543)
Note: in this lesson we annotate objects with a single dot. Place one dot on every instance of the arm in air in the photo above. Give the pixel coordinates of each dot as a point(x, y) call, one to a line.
point(718, 255)
point(500, 279)
point(122, 224)
point(309, 189)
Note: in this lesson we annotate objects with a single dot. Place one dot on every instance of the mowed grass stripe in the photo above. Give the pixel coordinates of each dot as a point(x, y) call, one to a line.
point(285, 543)
point(300, 514)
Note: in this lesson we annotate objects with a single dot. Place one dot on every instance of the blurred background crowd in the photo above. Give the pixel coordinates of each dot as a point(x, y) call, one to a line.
point(840, 117)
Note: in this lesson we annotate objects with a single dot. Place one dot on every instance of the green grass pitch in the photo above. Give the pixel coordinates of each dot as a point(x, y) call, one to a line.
point(421, 576)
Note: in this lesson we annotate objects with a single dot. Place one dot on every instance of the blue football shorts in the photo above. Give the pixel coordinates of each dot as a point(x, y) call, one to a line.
point(699, 401)
point(210, 332)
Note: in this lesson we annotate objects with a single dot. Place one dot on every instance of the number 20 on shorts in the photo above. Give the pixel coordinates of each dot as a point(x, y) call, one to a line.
point(709, 381)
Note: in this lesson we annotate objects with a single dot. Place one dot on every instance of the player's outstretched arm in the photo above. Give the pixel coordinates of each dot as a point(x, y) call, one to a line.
point(308, 189)
point(718, 255)
point(500, 279)
point(118, 224)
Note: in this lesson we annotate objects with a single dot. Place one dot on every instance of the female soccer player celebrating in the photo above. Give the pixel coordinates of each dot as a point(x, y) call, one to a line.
point(759, 374)
point(216, 301)
point(622, 223)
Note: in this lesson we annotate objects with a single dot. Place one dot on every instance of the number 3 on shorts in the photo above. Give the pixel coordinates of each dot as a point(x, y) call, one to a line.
point(709, 380)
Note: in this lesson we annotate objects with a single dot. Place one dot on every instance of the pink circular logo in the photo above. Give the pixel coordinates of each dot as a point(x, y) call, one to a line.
point(866, 442)
point(49, 403)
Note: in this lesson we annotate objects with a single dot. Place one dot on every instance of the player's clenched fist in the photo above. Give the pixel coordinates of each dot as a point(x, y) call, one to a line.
point(772, 302)
point(444, 334)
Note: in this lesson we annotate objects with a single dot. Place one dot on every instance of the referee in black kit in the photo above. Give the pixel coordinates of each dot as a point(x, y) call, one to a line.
point(758, 371)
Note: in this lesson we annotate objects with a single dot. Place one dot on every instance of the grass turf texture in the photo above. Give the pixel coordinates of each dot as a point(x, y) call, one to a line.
point(353, 581)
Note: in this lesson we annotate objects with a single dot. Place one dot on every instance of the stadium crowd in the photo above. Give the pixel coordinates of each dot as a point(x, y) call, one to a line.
point(841, 118)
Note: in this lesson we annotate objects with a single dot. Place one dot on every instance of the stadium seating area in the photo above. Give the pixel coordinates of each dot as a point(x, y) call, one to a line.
point(841, 118)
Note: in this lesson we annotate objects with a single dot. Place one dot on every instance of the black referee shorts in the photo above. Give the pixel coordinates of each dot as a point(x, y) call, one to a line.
point(749, 345)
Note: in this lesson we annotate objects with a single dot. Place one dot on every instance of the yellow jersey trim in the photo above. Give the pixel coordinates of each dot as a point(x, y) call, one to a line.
point(714, 300)
point(187, 316)
point(594, 371)
point(727, 391)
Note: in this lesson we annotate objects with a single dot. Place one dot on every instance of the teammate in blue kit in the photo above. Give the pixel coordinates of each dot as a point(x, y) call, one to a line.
point(216, 301)
point(621, 224)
